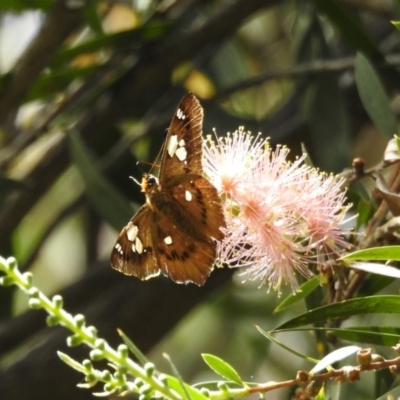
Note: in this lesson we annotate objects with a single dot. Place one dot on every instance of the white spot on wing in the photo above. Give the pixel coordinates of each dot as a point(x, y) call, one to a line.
point(131, 232)
point(172, 145)
point(168, 240)
point(133, 247)
point(180, 114)
point(139, 246)
point(181, 153)
point(118, 247)
point(188, 195)
point(182, 142)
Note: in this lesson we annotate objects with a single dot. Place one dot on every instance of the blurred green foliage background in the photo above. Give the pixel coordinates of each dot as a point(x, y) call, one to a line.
point(112, 73)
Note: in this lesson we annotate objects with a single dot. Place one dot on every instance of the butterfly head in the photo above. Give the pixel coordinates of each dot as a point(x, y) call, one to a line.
point(149, 182)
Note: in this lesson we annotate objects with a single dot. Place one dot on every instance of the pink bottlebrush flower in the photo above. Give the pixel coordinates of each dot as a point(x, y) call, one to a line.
point(281, 216)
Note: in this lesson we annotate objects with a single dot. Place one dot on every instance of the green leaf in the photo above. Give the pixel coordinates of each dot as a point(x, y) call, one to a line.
point(113, 40)
point(222, 368)
point(333, 357)
point(345, 309)
point(375, 268)
point(383, 253)
point(326, 114)
point(71, 362)
point(177, 383)
point(396, 24)
point(321, 395)
point(23, 5)
point(376, 335)
point(49, 84)
point(108, 202)
point(305, 289)
point(373, 96)
point(272, 339)
point(349, 26)
point(91, 15)
point(188, 392)
point(373, 284)
point(133, 348)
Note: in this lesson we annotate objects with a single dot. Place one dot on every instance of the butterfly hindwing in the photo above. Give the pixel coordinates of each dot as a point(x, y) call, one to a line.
point(134, 253)
point(181, 256)
point(199, 200)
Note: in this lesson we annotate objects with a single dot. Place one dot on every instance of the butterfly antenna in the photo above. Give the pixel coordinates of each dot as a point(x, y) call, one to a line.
point(135, 180)
point(152, 165)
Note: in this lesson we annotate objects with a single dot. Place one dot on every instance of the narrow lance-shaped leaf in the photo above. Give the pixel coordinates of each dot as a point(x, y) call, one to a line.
point(186, 391)
point(349, 26)
point(373, 96)
point(333, 357)
point(375, 268)
point(108, 202)
point(383, 253)
point(133, 348)
point(177, 383)
point(222, 368)
point(376, 335)
point(345, 309)
point(290, 350)
point(305, 289)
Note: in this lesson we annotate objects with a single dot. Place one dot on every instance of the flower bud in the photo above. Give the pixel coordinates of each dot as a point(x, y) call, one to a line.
point(149, 368)
point(79, 320)
point(74, 340)
point(34, 304)
point(7, 281)
point(96, 355)
point(364, 357)
point(123, 351)
point(303, 376)
point(58, 301)
point(52, 320)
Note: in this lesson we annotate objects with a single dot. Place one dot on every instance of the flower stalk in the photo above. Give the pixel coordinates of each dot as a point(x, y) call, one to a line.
point(81, 333)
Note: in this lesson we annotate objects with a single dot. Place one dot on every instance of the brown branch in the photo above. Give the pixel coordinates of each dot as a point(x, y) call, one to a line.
point(347, 374)
point(310, 69)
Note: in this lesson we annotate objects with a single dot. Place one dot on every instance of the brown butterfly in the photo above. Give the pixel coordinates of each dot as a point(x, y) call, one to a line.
point(175, 231)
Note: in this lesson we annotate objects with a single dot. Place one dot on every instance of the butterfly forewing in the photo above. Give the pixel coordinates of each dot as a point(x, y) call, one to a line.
point(175, 231)
point(183, 146)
